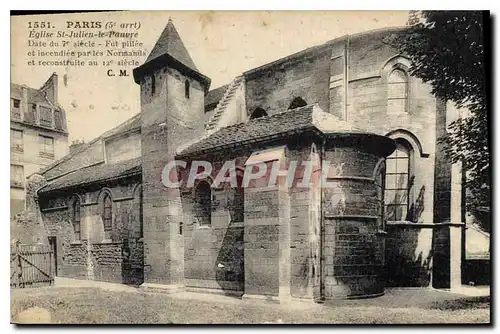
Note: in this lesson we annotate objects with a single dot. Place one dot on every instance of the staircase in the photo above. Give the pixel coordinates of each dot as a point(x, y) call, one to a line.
point(224, 101)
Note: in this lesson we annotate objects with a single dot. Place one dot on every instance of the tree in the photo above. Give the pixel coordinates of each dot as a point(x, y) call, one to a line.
point(447, 51)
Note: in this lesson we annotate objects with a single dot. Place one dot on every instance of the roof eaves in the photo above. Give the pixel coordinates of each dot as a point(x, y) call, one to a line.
point(242, 143)
point(125, 174)
point(85, 146)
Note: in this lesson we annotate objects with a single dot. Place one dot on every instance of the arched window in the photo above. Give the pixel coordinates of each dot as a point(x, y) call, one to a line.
point(186, 89)
point(398, 182)
point(203, 203)
point(77, 219)
point(153, 85)
point(258, 113)
point(297, 103)
point(107, 216)
point(397, 91)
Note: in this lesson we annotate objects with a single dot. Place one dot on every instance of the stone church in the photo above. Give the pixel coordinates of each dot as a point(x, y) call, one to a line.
point(394, 217)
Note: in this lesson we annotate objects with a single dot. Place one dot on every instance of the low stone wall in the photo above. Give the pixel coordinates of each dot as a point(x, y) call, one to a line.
point(107, 262)
point(75, 261)
point(353, 258)
point(408, 254)
point(133, 266)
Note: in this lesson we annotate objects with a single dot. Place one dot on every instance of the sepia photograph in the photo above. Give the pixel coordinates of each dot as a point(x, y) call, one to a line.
point(250, 167)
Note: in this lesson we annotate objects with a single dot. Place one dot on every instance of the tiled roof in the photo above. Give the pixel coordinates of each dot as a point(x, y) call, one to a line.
point(34, 95)
point(295, 120)
point(214, 96)
point(94, 174)
point(128, 125)
point(170, 43)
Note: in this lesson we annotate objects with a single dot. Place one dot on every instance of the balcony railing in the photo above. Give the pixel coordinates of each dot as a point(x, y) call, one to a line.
point(17, 148)
point(48, 155)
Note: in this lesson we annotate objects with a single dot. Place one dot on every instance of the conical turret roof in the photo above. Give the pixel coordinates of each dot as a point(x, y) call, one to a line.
point(169, 50)
point(170, 43)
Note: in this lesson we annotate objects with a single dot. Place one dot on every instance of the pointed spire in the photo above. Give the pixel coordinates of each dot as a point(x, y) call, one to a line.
point(170, 51)
point(170, 43)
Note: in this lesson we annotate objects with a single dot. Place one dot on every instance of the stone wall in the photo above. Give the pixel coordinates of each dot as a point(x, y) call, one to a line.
point(371, 59)
point(314, 74)
point(262, 248)
point(92, 256)
point(169, 119)
point(107, 262)
point(76, 261)
point(423, 255)
point(409, 254)
point(214, 254)
point(274, 87)
point(304, 227)
point(123, 147)
point(354, 240)
point(133, 262)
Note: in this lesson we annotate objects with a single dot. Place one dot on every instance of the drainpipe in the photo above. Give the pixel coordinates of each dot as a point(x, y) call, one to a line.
point(321, 229)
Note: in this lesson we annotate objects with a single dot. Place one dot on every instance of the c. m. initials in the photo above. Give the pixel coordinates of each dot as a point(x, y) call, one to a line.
point(121, 73)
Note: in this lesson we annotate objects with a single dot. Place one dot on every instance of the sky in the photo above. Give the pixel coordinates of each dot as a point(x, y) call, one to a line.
point(222, 44)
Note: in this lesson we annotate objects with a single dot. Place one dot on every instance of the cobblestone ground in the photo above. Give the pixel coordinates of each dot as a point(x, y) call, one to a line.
point(96, 305)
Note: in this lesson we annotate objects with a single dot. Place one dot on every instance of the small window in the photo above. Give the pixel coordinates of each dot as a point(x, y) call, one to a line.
point(297, 103)
point(153, 85)
point(76, 219)
point(203, 203)
point(186, 89)
point(46, 146)
point(258, 113)
point(15, 108)
point(16, 140)
point(58, 120)
point(17, 176)
point(46, 117)
point(107, 216)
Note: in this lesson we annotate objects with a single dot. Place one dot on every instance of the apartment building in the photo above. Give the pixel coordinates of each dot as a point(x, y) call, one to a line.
point(38, 134)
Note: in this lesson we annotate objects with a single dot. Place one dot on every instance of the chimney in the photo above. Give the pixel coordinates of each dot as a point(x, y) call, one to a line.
point(24, 99)
point(55, 87)
point(75, 145)
point(50, 87)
